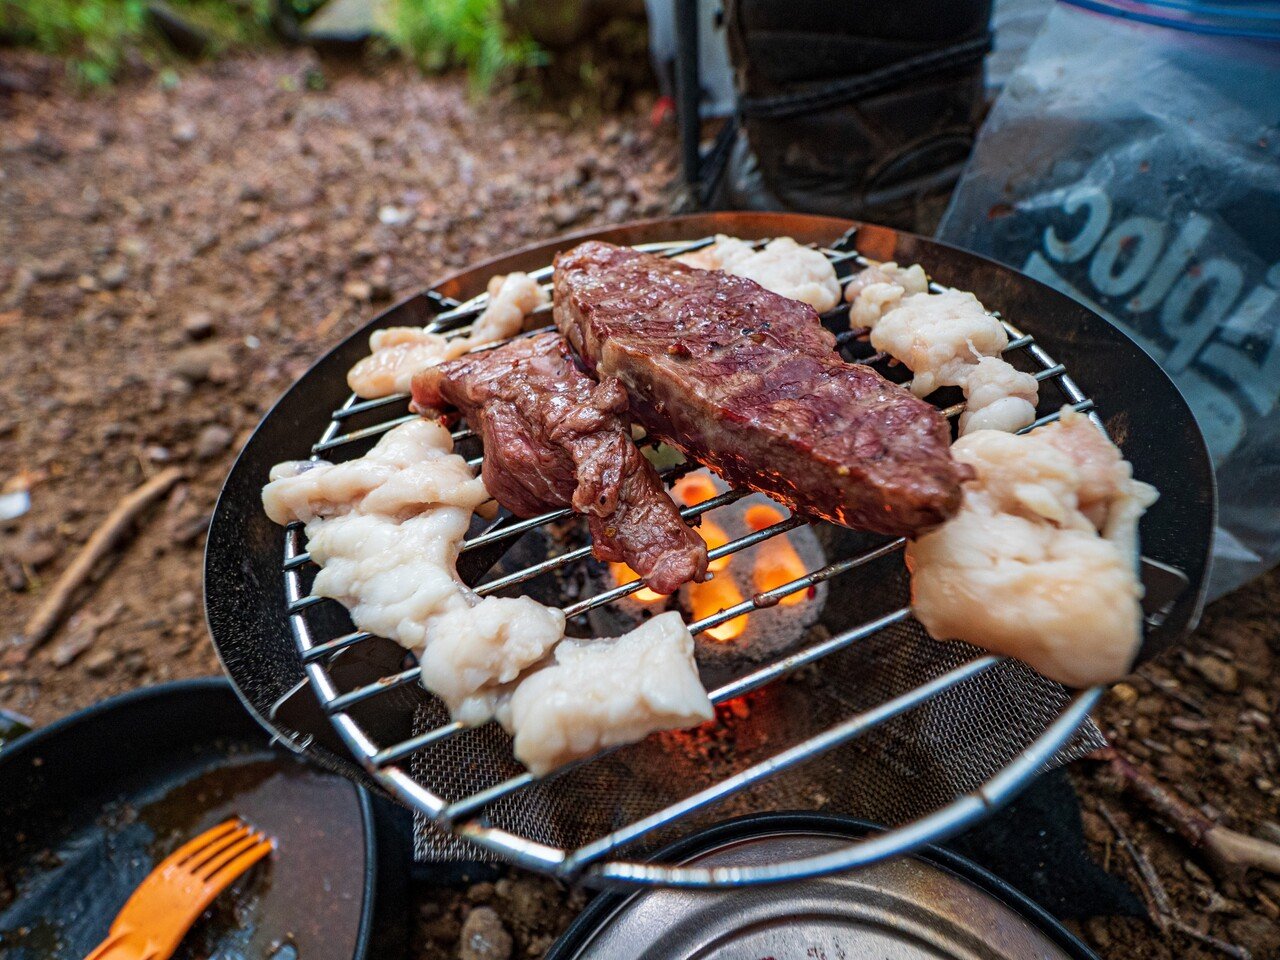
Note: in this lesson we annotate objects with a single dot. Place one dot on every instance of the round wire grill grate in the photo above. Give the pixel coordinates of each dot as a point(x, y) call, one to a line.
point(492, 787)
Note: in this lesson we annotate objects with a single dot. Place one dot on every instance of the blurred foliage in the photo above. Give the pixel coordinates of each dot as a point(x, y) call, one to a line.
point(472, 34)
point(97, 36)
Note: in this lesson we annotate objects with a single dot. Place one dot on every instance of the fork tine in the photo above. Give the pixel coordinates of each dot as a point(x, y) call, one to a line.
point(228, 872)
point(212, 865)
point(196, 864)
point(198, 843)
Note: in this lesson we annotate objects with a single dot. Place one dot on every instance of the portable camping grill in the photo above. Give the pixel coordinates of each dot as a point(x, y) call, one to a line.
point(384, 720)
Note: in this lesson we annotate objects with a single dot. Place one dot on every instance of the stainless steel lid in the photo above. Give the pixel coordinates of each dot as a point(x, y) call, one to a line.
point(901, 910)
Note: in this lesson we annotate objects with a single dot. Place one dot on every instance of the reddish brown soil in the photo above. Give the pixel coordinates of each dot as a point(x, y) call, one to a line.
point(170, 260)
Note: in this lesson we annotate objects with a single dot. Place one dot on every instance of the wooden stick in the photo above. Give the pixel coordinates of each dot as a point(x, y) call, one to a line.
point(1230, 851)
point(105, 538)
point(1163, 913)
point(1148, 884)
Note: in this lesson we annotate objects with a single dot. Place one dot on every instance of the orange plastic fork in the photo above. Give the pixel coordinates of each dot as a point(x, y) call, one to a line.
point(160, 912)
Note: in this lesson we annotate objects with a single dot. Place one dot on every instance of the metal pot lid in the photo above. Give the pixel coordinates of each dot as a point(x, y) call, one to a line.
point(934, 906)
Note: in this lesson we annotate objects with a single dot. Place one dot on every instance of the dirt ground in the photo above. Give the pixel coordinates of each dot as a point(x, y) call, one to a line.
point(171, 259)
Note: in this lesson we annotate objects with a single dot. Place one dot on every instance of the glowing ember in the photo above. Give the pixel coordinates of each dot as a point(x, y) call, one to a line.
point(716, 594)
point(777, 561)
point(623, 574)
point(774, 562)
point(693, 489)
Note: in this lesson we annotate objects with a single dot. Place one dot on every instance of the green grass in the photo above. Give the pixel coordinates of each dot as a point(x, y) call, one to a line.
point(92, 35)
point(441, 34)
point(95, 36)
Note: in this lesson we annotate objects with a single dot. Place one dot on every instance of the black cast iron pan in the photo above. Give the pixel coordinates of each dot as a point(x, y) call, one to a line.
point(1143, 411)
point(92, 802)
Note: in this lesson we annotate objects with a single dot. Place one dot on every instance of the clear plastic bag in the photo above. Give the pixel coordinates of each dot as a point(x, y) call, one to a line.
point(1137, 168)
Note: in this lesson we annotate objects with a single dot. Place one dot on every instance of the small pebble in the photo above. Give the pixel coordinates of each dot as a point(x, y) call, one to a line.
point(393, 216)
point(484, 937)
point(100, 661)
point(183, 602)
point(14, 505)
point(563, 214)
point(358, 290)
point(618, 210)
point(1222, 676)
point(212, 440)
point(113, 276)
point(197, 325)
point(207, 361)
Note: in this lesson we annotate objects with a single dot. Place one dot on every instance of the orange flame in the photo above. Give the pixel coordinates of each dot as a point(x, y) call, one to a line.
point(693, 489)
point(623, 574)
point(716, 594)
point(777, 561)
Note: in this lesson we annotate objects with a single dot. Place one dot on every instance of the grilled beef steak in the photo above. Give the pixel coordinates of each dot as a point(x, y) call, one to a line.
point(554, 438)
point(749, 383)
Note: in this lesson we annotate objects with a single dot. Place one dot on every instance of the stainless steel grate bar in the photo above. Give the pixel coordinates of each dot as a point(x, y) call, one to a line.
point(362, 434)
point(770, 597)
point(364, 406)
point(360, 694)
point(406, 748)
point(330, 647)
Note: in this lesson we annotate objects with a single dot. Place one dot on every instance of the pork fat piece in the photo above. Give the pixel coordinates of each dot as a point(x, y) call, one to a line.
point(781, 265)
point(400, 352)
point(602, 693)
point(1040, 563)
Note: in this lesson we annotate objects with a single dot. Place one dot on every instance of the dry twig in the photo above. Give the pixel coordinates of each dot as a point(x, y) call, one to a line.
point(109, 534)
point(1149, 885)
point(1159, 906)
point(1230, 851)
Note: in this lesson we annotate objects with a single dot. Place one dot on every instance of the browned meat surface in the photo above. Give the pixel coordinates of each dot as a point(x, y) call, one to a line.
point(749, 383)
point(554, 438)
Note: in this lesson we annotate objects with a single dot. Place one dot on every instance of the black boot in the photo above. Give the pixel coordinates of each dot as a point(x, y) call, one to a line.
point(864, 110)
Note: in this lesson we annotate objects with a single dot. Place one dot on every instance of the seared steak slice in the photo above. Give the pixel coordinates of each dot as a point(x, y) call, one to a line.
point(749, 383)
point(555, 438)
